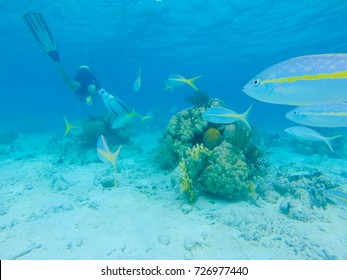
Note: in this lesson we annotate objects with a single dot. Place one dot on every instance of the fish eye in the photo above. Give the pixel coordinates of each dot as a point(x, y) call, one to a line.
point(295, 112)
point(256, 82)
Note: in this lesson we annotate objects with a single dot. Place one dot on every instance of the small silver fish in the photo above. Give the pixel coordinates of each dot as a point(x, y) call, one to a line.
point(308, 134)
point(137, 83)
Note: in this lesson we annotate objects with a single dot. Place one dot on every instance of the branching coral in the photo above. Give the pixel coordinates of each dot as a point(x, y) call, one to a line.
point(191, 166)
point(186, 182)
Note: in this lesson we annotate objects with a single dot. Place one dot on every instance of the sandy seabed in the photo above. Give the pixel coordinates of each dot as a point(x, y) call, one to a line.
point(51, 209)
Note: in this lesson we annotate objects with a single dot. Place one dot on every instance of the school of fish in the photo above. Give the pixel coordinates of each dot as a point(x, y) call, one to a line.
point(317, 84)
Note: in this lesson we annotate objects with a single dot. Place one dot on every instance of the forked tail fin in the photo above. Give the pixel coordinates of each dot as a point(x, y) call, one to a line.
point(107, 156)
point(104, 153)
point(68, 126)
point(244, 117)
point(191, 81)
point(328, 140)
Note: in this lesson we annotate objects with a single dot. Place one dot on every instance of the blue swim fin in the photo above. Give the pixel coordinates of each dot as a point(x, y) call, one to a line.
point(42, 35)
point(114, 105)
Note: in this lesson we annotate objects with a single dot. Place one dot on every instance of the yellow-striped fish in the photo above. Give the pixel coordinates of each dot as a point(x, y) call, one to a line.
point(305, 80)
point(178, 80)
point(307, 134)
point(224, 115)
point(320, 115)
point(337, 196)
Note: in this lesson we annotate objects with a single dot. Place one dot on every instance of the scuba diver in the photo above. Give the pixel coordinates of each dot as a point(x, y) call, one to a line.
point(86, 83)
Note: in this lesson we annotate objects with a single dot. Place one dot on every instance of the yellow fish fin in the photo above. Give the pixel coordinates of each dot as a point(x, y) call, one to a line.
point(68, 126)
point(110, 157)
point(191, 81)
point(104, 152)
point(243, 117)
point(107, 156)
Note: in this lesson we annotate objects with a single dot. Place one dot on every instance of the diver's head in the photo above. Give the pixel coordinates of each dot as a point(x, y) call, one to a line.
point(84, 70)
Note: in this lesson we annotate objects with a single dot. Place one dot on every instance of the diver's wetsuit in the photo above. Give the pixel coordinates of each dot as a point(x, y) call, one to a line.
point(86, 77)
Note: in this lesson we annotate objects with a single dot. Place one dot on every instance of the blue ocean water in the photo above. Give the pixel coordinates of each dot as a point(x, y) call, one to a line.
point(227, 42)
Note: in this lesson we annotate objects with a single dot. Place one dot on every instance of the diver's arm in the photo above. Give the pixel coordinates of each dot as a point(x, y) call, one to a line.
point(73, 85)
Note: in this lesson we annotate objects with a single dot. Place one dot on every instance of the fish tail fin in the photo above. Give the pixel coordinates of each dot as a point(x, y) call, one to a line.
point(333, 138)
point(135, 114)
point(328, 141)
point(107, 156)
point(104, 152)
point(168, 87)
point(191, 81)
point(329, 145)
point(68, 126)
point(115, 156)
point(244, 117)
point(144, 118)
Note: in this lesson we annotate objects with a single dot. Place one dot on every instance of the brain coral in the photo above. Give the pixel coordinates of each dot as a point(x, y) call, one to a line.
point(211, 138)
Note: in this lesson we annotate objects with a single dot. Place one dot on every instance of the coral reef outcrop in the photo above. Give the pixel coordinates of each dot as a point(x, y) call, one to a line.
point(219, 160)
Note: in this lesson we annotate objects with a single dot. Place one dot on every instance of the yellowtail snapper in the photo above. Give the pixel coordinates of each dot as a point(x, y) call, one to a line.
point(305, 80)
point(337, 196)
point(321, 115)
point(178, 80)
point(224, 115)
point(308, 134)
